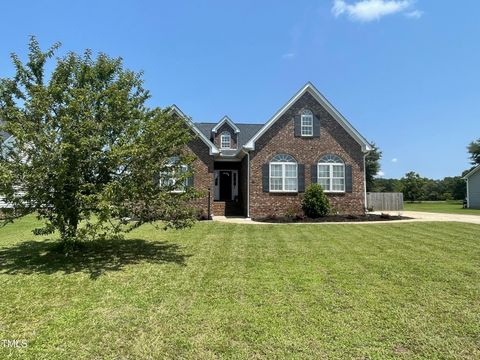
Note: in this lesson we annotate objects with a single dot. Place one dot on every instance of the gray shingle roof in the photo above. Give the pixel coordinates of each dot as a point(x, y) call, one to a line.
point(246, 131)
point(3, 134)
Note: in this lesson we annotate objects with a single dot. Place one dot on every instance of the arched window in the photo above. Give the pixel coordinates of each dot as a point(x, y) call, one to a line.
point(306, 123)
point(331, 173)
point(283, 174)
point(225, 140)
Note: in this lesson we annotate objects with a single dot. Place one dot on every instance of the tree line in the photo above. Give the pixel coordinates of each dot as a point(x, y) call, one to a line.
point(417, 188)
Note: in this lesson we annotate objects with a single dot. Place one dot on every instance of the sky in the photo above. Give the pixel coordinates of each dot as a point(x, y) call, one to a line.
point(405, 73)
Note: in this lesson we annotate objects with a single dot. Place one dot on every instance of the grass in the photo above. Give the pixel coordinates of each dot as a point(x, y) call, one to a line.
point(246, 291)
point(447, 207)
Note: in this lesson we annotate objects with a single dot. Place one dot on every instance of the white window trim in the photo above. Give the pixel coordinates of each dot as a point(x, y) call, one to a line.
point(330, 171)
point(302, 126)
point(283, 177)
point(184, 168)
point(225, 134)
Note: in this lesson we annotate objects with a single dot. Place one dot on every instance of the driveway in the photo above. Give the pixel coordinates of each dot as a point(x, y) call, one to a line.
point(415, 216)
point(426, 216)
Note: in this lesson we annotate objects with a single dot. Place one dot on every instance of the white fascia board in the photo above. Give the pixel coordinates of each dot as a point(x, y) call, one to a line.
point(227, 120)
point(474, 171)
point(366, 147)
point(213, 150)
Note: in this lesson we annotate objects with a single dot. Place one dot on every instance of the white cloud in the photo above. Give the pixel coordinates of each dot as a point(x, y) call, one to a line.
point(369, 10)
point(394, 160)
point(415, 14)
point(290, 55)
point(380, 174)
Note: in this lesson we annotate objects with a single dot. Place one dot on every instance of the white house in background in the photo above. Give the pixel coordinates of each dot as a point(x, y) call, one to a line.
point(473, 188)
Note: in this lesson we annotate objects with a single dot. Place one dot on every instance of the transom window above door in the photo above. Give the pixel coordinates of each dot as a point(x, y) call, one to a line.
point(225, 140)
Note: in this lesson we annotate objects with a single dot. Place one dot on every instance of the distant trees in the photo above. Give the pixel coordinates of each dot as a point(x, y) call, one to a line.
point(413, 186)
point(387, 185)
point(474, 150)
point(449, 188)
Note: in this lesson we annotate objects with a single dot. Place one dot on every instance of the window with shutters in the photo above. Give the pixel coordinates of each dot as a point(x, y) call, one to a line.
point(174, 179)
point(306, 123)
point(331, 173)
point(225, 140)
point(283, 174)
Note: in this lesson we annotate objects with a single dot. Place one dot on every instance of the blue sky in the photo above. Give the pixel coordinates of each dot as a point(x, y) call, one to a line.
point(405, 73)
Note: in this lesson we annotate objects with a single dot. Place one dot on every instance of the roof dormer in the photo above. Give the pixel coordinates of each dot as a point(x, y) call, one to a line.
point(229, 122)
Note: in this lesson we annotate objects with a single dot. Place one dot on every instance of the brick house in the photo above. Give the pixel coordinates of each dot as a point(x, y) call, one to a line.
point(258, 170)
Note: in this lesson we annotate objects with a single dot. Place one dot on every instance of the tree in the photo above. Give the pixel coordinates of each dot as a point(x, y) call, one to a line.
point(89, 157)
point(474, 150)
point(387, 185)
point(413, 186)
point(372, 166)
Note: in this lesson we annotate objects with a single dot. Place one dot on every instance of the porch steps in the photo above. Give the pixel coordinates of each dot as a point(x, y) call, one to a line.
point(227, 208)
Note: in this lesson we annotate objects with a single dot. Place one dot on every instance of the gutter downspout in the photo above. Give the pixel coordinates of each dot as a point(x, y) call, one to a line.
point(365, 181)
point(248, 185)
point(248, 181)
point(468, 195)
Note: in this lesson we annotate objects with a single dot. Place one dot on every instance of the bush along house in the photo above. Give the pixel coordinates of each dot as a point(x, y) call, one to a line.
point(261, 170)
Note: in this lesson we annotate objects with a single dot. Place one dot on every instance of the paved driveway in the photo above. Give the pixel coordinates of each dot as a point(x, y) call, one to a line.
point(426, 216)
point(415, 216)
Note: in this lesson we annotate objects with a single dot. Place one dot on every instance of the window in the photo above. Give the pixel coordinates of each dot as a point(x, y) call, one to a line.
point(283, 174)
point(331, 173)
point(225, 140)
point(306, 123)
point(175, 178)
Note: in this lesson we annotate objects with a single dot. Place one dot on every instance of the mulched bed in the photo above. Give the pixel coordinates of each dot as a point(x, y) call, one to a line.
point(332, 218)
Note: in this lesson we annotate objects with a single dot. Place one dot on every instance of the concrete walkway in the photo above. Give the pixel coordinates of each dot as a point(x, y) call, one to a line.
point(416, 216)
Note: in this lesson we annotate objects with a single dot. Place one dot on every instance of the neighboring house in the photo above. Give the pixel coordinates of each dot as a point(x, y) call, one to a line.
point(6, 139)
point(473, 188)
point(258, 170)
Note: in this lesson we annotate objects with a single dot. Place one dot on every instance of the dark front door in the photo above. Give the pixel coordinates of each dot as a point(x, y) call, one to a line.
point(225, 185)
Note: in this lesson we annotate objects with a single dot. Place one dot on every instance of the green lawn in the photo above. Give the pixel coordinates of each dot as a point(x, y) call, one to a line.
point(246, 291)
point(449, 207)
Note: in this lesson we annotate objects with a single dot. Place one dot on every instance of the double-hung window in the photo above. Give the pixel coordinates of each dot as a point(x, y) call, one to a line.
point(331, 173)
point(174, 177)
point(283, 174)
point(306, 122)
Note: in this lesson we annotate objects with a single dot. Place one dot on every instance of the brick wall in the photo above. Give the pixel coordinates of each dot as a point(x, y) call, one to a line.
point(280, 139)
point(203, 173)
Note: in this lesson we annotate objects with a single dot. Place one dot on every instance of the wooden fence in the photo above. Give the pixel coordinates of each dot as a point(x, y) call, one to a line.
point(385, 201)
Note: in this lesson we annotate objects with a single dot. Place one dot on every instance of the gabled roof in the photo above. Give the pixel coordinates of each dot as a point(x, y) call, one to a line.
point(474, 171)
point(326, 104)
point(213, 150)
point(227, 120)
point(246, 131)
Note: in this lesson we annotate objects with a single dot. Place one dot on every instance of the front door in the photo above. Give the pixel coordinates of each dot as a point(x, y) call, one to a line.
point(225, 185)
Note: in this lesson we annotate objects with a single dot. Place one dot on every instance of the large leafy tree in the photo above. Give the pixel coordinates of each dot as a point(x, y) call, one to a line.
point(372, 166)
point(413, 186)
point(474, 150)
point(89, 157)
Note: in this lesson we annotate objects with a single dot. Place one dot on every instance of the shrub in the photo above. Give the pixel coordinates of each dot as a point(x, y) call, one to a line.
point(292, 212)
point(315, 203)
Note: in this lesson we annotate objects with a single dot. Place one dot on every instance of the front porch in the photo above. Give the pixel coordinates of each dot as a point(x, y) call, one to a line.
point(230, 188)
